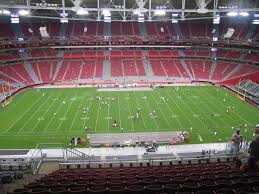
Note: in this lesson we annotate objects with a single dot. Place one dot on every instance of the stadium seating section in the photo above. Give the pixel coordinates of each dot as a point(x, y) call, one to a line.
point(189, 178)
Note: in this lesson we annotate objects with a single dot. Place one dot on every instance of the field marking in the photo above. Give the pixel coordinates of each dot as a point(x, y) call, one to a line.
point(53, 116)
point(96, 121)
point(172, 113)
point(161, 111)
point(190, 109)
point(118, 102)
point(87, 114)
point(203, 114)
point(5, 111)
point(199, 136)
point(179, 109)
point(233, 111)
point(72, 124)
point(64, 117)
point(32, 116)
point(132, 124)
point(139, 107)
point(109, 112)
point(22, 115)
point(53, 102)
point(150, 112)
point(221, 118)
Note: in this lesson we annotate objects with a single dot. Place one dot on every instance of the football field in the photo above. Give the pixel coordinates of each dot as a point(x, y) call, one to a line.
point(208, 113)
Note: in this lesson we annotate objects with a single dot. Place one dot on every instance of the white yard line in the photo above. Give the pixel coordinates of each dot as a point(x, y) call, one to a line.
point(192, 110)
point(33, 115)
point(76, 115)
point(139, 107)
point(199, 137)
point(155, 102)
point(64, 117)
point(203, 113)
point(4, 112)
point(179, 109)
point(221, 118)
point(54, 116)
point(45, 112)
point(96, 121)
point(22, 115)
point(87, 112)
point(233, 112)
point(152, 111)
point(108, 112)
point(173, 113)
point(119, 110)
point(130, 115)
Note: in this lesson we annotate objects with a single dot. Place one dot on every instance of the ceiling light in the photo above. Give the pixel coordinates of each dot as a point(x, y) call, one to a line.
point(174, 14)
point(159, 12)
point(256, 15)
point(136, 12)
point(63, 20)
point(232, 14)
point(63, 15)
point(255, 22)
point(6, 12)
point(174, 21)
point(82, 12)
point(244, 14)
point(23, 12)
point(141, 17)
point(106, 12)
point(216, 20)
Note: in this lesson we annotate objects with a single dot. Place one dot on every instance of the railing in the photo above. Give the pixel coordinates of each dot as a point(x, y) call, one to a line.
point(72, 155)
point(37, 156)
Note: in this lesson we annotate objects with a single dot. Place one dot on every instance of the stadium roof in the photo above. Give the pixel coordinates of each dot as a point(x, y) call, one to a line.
point(124, 9)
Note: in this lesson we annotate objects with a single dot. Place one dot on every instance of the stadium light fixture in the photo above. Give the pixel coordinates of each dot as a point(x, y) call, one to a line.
point(15, 19)
point(216, 20)
point(175, 15)
point(174, 21)
point(63, 20)
point(106, 12)
point(232, 14)
point(244, 14)
point(6, 12)
point(136, 12)
point(141, 18)
point(159, 12)
point(255, 22)
point(23, 12)
point(256, 15)
point(82, 12)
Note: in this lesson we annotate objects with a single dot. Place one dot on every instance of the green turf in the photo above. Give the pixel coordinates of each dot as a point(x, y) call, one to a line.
point(29, 119)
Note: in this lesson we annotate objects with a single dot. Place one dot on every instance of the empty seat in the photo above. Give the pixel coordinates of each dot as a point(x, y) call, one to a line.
point(77, 190)
point(20, 191)
point(135, 189)
point(116, 189)
point(97, 189)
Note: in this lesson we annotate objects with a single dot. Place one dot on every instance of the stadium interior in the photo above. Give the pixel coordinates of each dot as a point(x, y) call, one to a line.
point(129, 96)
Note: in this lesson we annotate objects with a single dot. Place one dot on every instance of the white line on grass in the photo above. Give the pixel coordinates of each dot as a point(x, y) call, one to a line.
point(87, 112)
point(119, 110)
point(22, 115)
point(76, 114)
point(233, 112)
point(96, 121)
point(56, 114)
point(173, 113)
point(3, 113)
point(179, 109)
point(192, 111)
point(108, 112)
point(33, 115)
point(139, 107)
point(204, 114)
point(151, 111)
point(161, 111)
point(45, 112)
point(130, 115)
point(64, 117)
point(221, 118)
point(199, 136)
